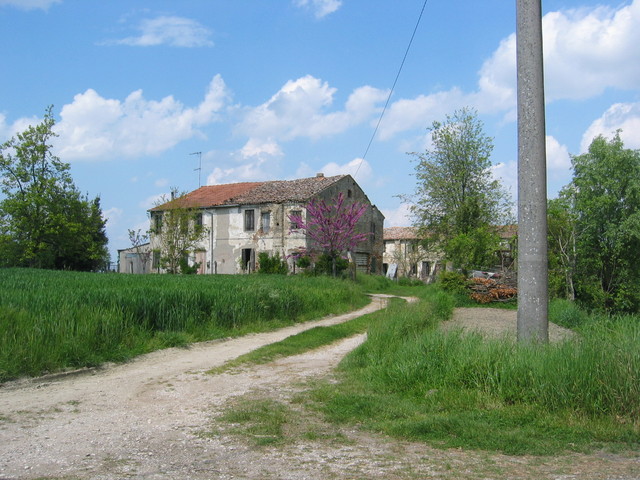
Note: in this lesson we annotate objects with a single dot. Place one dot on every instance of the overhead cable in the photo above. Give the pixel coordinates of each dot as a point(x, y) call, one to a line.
point(384, 109)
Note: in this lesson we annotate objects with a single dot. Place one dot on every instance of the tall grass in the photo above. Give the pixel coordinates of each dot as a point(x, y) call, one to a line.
point(454, 388)
point(55, 320)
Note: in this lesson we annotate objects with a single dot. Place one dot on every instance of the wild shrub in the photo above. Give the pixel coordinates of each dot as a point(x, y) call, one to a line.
point(272, 264)
point(453, 282)
point(324, 265)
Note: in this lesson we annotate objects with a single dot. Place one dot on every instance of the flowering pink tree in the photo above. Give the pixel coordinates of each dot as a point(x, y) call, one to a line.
point(331, 227)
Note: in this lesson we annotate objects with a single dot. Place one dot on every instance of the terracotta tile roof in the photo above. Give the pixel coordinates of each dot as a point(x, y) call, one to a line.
point(210, 196)
point(251, 193)
point(411, 233)
point(400, 233)
point(300, 190)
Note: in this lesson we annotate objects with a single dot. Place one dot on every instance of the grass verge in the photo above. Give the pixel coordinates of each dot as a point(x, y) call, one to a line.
point(304, 341)
point(453, 389)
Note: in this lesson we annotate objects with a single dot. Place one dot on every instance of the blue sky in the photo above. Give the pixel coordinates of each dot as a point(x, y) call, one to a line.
point(282, 89)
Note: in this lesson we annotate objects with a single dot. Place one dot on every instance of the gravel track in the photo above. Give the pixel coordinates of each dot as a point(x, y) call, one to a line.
point(144, 420)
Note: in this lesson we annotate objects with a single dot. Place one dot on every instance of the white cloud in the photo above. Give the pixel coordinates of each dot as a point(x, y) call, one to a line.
point(20, 125)
point(321, 8)
point(112, 216)
point(256, 148)
point(161, 182)
point(497, 82)
point(298, 109)
point(507, 174)
point(586, 51)
point(420, 112)
point(168, 30)
point(558, 158)
point(255, 171)
point(357, 168)
point(620, 116)
point(93, 127)
point(29, 4)
point(397, 217)
point(153, 200)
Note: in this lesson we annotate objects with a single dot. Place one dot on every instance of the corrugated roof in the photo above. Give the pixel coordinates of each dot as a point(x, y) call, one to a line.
point(252, 193)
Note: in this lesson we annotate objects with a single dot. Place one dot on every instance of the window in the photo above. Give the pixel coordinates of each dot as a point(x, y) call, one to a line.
point(373, 230)
point(157, 221)
point(198, 219)
point(266, 222)
point(249, 221)
point(156, 259)
point(297, 215)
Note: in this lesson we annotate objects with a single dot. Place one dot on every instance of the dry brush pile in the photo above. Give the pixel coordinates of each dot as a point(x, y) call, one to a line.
point(487, 290)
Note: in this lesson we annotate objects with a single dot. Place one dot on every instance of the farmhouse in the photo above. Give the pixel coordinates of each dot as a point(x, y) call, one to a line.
point(405, 257)
point(241, 220)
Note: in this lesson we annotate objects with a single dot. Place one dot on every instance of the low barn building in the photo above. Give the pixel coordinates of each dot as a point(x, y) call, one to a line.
point(241, 220)
point(135, 259)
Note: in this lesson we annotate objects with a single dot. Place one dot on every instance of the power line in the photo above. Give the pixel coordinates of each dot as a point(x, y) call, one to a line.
point(384, 109)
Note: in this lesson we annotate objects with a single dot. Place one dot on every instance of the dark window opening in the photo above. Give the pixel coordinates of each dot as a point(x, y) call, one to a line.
point(249, 221)
point(248, 260)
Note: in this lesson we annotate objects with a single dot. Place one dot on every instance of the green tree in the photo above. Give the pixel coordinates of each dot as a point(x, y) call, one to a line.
point(176, 230)
point(561, 227)
point(606, 186)
point(331, 228)
point(44, 220)
point(476, 248)
point(456, 199)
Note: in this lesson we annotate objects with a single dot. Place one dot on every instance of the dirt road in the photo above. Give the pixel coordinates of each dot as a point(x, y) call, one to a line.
point(156, 418)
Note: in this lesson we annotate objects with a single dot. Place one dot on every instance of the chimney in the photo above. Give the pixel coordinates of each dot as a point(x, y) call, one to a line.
point(320, 175)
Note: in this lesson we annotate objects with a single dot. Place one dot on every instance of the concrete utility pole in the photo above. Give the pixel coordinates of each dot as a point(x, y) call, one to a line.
point(533, 293)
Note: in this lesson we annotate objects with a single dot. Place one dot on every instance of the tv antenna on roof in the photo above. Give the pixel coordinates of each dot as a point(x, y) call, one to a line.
point(199, 169)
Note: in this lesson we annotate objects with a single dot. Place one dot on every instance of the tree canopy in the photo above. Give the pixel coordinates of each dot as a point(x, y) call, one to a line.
point(332, 227)
point(45, 222)
point(457, 200)
point(176, 231)
point(606, 202)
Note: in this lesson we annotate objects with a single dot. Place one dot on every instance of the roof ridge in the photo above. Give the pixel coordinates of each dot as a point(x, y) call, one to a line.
point(246, 193)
